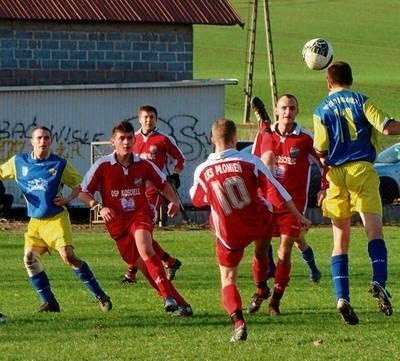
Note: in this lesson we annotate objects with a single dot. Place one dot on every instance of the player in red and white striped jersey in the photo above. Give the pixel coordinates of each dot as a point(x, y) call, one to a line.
point(230, 182)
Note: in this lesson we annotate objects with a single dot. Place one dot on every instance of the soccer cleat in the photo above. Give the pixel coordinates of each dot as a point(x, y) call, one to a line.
point(49, 307)
point(183, 311)
point(257, 300)
point(104, 303)
point(259, 110)
point(171, 270)
point(273, 308)
point(315, 277)
point(170, 305)
point(3, 318)
point(129, 279)
point(239, 334)
point(347, 312)
point(382, 296)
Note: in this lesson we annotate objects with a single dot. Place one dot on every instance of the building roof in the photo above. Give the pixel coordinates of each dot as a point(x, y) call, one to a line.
point(211, 12)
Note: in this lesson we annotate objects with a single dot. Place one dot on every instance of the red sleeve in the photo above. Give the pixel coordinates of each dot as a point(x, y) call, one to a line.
point(198, 193)
point(256, 150)
point(154, 175)
point(267, 143)
point(174, 152)
point(264, 128)
point(199, 197)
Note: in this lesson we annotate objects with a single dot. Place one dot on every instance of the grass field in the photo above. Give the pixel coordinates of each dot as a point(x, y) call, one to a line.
point(138, 328)
point(363, 33)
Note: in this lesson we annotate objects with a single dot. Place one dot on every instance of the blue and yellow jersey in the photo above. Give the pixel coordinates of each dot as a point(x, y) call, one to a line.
point(40, 181)
point(346, 125)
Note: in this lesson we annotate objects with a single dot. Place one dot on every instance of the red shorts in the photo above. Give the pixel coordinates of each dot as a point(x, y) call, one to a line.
point(227, 257)
point(285, 223)
point(125, 238)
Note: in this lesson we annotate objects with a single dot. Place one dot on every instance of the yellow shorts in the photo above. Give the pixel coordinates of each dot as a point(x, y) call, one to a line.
point(353, 187)
point(51, 233)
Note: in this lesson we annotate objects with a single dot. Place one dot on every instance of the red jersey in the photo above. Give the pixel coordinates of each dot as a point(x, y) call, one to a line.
point(157, 147)
point(229, 182)
point(294, 154)
point(123, 189)
point(264, 128)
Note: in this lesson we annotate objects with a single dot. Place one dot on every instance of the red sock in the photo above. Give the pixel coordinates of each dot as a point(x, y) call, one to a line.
point(260, 273)
point(175, 294)
point(157, 273)
point(157, 249)
point(282, 277)
point(231, 299)
point(164, 256)
point(151, 281)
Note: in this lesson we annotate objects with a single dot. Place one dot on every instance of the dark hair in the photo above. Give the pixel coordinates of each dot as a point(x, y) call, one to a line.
point(340, 73)
point(148, 108)
point(42, 128)
point(124, 127)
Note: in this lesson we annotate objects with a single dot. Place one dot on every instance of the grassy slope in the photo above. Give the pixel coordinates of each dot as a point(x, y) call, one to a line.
point(363, 33)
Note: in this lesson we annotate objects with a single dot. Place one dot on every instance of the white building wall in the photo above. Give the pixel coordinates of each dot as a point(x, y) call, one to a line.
point(79, 115)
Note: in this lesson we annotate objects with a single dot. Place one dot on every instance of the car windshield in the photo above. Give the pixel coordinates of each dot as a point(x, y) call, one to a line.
point(390, 155)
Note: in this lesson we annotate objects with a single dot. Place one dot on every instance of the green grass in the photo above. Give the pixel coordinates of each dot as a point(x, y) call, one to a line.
point(138, 328)
point(362, 32)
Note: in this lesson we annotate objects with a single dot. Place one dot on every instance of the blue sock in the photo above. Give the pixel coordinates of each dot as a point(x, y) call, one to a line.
point(378, 254)
point(85, 274)
point(308, 257)
point(41, 284)
point(340, 276)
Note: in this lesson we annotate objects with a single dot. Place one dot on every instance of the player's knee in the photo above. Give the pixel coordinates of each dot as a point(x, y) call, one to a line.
point(32, 263)
point(69, 257)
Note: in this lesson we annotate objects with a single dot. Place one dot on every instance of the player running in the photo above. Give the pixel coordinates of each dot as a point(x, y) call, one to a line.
point(121, 179)
point(41, 176)
point(157, 147)
point(229, 181)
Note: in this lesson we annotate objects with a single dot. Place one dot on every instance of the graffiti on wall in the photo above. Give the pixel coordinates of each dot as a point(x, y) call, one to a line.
point(73, 143)
point(68, 141)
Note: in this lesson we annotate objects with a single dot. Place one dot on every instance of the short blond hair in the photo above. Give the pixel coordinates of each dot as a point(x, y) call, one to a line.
point(223, 129)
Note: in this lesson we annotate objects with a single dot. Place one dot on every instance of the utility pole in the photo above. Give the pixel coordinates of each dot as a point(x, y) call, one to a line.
point(248, 91)
point(271, 63)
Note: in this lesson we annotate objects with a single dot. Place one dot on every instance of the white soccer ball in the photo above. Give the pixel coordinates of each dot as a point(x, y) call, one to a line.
point(317, 53)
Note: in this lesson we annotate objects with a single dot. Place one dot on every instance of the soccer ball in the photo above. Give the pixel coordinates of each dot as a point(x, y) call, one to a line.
point(317, 54)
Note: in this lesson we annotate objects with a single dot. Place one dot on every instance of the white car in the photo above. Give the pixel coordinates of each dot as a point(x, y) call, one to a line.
point(387, 166)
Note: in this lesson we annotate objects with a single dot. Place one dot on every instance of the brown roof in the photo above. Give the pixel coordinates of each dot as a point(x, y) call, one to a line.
point(212, 12)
